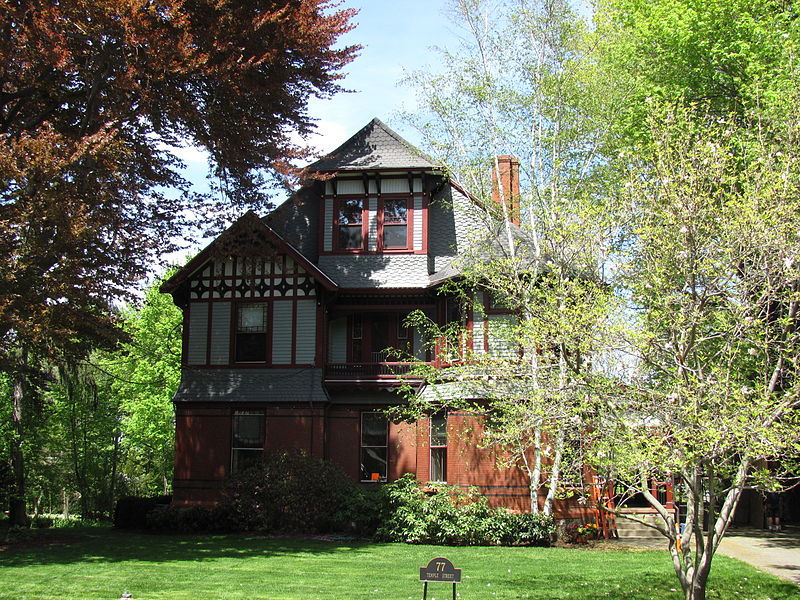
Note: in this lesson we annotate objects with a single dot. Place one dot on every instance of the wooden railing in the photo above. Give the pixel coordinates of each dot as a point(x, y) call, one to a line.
point(368, 370)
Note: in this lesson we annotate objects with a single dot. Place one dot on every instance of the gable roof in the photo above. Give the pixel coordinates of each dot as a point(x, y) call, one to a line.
point(374, 146)
point(248, 222)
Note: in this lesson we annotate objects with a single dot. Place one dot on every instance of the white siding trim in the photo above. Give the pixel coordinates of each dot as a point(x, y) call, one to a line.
point(417, 216)
point(373, 224)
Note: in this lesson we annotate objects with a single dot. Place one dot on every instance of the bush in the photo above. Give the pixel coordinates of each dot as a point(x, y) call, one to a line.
point(299, 494)
point(449, 515)
point(131, 511)
point(191, 519)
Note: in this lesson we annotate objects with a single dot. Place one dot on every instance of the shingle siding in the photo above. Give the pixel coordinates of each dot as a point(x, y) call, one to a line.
point(376, 271)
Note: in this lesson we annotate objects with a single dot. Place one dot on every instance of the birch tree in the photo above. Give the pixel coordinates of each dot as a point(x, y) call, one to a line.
point(520, 84)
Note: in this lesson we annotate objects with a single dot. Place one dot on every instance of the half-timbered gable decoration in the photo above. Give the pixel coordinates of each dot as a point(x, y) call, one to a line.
point(251, 299)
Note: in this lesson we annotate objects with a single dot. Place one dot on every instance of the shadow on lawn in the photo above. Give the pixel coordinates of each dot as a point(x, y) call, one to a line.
point(112, 545)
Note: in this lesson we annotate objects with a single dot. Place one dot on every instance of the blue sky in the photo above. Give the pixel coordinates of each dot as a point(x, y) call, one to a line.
point(396, 36)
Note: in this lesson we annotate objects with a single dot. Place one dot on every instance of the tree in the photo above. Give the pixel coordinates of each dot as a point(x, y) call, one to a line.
point(93, 93)
point(711, 268)
point(520, 84)
point(708, 206)
point(146, 371)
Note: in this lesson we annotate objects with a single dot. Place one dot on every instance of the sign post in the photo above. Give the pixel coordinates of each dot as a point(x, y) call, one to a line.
point(442, 570)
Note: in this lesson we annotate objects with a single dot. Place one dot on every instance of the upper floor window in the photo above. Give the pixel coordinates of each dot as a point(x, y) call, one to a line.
point(350, 224)
point(394, 233)
point(251, 332)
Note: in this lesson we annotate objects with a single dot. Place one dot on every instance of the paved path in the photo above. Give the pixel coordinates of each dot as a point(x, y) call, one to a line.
point(776, 553)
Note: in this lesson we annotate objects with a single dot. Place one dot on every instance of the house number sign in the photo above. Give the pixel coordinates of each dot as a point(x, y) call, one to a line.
point(442, 570)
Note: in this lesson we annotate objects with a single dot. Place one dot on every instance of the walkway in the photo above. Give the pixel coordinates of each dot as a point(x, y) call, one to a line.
point(776, 553)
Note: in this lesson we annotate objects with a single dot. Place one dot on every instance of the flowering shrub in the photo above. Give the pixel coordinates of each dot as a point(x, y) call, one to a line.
point(588, 530)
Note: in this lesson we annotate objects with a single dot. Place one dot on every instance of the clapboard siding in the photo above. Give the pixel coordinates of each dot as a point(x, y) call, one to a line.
point(306, 334)
point(198, 334)
point(337, 340)
point(282, 332)
point(327, 227)
point(220, 333)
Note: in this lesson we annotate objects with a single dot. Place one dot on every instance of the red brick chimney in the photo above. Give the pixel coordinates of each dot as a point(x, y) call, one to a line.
point(509, 180)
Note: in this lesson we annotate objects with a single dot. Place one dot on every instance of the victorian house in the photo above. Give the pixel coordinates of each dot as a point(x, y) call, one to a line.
point(287, 319)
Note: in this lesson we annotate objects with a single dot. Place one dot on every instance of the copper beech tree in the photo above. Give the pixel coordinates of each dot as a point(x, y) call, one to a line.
point(92, 94)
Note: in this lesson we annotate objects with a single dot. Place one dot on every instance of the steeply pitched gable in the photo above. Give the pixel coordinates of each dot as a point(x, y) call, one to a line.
point(375, 146)
point(248, 233)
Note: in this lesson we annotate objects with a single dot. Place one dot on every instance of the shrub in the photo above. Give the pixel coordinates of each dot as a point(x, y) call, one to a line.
point(191, 519)
point(448, 515)
point(298, 494)
point(131, 511)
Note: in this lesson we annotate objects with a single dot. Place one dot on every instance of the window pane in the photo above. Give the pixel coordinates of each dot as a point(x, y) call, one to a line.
point(350, 212)
point(252, 318)
point(373, 460)
point(251, 347)
point(248, 430)
point(439, 430)
point(438, 464)
point(395, 236)
point(244, 459)
point(373, 429)
point(395, 211)
point(350, 236)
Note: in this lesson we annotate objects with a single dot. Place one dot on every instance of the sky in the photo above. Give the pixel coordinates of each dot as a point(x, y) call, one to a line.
point(397, 36)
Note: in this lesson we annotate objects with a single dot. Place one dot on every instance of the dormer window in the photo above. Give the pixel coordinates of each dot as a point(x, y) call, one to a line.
point(394, 233)
point(350, 224)
point(373, 214)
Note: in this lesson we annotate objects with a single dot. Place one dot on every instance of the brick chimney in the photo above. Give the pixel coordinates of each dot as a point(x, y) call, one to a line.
point(509, 180)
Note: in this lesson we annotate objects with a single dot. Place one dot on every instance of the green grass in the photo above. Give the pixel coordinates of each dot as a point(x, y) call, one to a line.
point(98, 563)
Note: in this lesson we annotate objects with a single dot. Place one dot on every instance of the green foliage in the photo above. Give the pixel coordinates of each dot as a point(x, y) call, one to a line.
point(130, 512)
point(449, 515)
point(145, 373)
point(300, 494)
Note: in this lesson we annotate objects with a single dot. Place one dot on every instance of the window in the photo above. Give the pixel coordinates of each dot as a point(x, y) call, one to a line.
point(374, 446)
point(395, 224)
point(350, 220)
point(439, 447)
point(251, 332)
point(247, 442)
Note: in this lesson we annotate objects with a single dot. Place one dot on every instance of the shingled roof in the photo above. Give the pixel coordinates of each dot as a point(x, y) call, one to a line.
point(375, 146)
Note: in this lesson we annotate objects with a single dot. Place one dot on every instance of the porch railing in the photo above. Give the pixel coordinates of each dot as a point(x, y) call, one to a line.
point(368, 370)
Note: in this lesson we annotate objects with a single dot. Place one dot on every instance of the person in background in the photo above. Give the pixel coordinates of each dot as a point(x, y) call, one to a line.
point(772, 510)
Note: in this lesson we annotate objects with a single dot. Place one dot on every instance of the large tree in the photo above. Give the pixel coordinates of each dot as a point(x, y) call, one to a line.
point(92, 94)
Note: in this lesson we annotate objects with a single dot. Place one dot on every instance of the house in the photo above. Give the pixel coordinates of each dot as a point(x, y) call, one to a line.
point(287, 319)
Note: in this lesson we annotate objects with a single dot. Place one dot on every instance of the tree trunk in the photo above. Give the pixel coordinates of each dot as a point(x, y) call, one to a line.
point(18, 510)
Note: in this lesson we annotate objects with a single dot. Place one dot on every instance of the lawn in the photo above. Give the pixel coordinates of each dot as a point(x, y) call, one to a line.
point(100, 564)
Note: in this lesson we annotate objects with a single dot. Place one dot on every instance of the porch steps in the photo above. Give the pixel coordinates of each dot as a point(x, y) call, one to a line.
point(631, 530)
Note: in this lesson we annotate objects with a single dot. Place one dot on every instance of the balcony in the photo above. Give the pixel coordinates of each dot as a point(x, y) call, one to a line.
point(381, 372)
